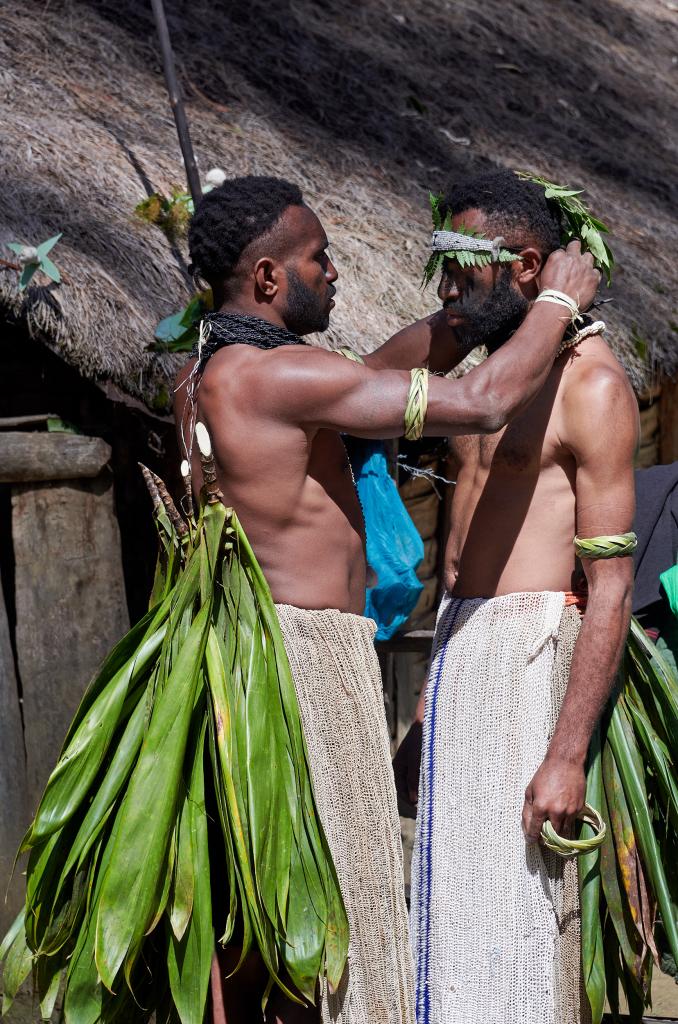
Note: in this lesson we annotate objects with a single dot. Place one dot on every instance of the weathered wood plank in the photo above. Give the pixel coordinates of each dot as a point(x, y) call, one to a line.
point(668, 421)
point(38, 419)
point(43, 456)
point(14, 816)
point(70, 606)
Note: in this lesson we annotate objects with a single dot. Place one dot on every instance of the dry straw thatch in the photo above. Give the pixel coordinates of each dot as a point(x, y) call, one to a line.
point(366, 105)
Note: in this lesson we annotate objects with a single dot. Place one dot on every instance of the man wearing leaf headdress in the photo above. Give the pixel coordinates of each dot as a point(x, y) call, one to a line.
point(275, 408)
point(519, 678)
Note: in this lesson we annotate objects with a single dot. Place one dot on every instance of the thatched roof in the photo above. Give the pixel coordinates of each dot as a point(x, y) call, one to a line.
point(366, 105)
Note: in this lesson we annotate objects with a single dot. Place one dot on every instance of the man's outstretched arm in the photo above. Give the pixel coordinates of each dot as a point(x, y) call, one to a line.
point(329, 392)
point(600, 427)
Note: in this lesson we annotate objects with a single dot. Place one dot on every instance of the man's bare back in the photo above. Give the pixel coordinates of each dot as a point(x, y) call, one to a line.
point(291, 486)
point(514, 509)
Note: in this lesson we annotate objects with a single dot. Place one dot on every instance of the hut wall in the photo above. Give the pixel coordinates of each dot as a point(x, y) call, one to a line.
point(70, 606)
point(668, 421)
point(650, 406)
point(62, 607)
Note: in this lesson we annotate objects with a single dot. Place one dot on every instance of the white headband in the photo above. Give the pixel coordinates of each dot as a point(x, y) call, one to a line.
point(454, 241)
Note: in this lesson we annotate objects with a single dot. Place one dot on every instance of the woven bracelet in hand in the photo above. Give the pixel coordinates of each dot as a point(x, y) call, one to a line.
point(576, 847)
point(417, 403)
point(617, 545)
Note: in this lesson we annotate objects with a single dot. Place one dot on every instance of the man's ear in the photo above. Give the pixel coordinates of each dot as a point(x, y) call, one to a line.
point(267, 275)
point(530, 266)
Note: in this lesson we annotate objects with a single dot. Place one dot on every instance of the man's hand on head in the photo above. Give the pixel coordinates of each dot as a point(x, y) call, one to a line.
point(557, 792)
point(572, 272)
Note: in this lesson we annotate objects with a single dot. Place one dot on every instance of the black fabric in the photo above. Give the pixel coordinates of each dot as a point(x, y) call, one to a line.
point(656, 525)
point(242, 329)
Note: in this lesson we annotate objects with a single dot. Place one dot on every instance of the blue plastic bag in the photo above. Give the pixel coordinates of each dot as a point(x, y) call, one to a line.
point(394, 547)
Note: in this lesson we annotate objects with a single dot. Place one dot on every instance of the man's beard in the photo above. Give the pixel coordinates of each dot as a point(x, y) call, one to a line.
point(305, 312)
point(491, 322)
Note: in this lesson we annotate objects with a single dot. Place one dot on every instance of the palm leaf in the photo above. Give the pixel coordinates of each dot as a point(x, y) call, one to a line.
point(124, 809)
point(631, 769)
point(619, 870)
point(147, 815)
point(189, 956)
point(593, 966)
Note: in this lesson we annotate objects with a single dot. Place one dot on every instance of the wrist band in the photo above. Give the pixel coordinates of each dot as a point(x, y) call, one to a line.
point(552, 295)
point(417, 404)
point(617, 545)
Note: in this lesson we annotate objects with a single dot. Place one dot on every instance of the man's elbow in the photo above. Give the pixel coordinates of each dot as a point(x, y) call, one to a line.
point(615, 594)
point(489, 412)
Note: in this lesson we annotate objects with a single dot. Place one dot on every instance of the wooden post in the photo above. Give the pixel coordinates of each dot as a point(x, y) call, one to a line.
point(176, 101)
point(668, 421)
point(34, 456)
point(70, 606)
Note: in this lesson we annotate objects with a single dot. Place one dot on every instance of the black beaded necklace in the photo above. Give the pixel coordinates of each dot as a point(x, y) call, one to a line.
point(240, 329)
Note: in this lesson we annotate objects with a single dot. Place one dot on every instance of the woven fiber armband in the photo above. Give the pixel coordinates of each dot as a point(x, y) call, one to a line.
point(617, 545)
point(417, 404)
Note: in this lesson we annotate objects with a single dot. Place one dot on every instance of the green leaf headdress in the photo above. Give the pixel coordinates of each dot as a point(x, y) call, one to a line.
point(472, 249)
point(469, 248)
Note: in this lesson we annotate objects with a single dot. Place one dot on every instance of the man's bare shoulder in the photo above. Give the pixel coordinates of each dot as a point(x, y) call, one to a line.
point(594, 372)
point(249, 364)
point(597, 397)
point(280, 383)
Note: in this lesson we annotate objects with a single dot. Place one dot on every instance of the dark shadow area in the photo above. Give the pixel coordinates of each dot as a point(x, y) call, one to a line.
point(7, 576)
point(37, 381)
point(560, 79)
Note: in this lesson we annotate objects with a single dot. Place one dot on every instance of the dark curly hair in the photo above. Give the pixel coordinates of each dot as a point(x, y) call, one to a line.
point(514, 205)
point(231, 216)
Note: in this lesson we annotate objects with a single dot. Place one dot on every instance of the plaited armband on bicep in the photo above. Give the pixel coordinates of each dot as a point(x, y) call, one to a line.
point(616, 545)
point(417, 404)
point(417, 396)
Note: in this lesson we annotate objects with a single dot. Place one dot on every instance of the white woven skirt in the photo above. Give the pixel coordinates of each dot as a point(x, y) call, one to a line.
point(340, 693)
point(495, 922)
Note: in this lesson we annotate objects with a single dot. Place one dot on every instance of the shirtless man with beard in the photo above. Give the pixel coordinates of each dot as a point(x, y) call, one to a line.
point(527, 644)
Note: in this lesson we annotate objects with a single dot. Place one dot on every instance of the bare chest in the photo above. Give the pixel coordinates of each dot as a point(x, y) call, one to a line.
point(525, 448)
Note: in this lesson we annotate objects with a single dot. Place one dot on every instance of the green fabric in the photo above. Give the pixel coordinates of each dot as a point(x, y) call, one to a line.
point(669, 580)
